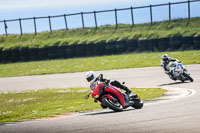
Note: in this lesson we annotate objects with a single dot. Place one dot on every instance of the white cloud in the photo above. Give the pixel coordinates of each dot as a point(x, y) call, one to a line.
point(13, 4)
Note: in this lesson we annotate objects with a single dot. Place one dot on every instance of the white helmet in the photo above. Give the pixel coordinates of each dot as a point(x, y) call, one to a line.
point(165, 57)
point(91, 76)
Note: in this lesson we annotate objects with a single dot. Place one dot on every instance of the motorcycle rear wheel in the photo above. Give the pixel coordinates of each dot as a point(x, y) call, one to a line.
point(138, 103)
point(114, 105)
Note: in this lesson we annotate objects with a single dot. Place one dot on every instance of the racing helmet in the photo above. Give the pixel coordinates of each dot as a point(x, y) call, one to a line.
point(91, 77)
point(165, 57)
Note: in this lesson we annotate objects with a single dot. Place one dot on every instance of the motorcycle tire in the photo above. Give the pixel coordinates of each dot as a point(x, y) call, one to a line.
point(103, 106)
point(182, 81)
point(138, 103)
point(188, 77)
point(114, 105)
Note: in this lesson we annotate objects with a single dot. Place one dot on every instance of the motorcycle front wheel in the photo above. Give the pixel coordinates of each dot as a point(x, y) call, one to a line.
point(188, 77)
point(112, 104)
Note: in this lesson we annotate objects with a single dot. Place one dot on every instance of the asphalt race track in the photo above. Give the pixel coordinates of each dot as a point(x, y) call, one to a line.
point(178, 111)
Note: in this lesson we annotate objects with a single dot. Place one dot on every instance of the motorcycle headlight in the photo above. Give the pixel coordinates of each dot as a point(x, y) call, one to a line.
point(97, 96)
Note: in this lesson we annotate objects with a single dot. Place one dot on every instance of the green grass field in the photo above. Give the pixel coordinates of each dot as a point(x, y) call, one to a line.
point(132, 60)
point(104, 33)
point(17, 106)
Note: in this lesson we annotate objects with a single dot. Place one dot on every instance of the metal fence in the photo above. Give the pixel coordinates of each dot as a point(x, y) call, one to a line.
point(95, 14)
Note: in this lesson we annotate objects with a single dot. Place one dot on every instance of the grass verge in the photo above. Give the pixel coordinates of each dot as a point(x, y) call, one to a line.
point(132, 60)
point(17, 106)
point(103, 33)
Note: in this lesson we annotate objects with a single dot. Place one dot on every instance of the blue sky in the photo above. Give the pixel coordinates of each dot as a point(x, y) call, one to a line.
point(11, 9)
point(14, 9)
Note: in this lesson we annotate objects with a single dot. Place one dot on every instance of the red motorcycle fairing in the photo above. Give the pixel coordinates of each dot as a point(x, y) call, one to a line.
point(107, 95)
point(110, 89)
point(97, 90)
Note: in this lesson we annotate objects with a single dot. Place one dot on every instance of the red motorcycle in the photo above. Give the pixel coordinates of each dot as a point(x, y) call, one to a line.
point(113, 98)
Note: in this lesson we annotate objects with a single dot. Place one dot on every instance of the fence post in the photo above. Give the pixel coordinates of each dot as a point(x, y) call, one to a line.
point(35, 25)
point(116, 22)
point(82, 20)
point(169, 11)
point(20, 24)
point(5, 25)
point(189, 9)
point(95, 19)
point(151, 14)
point(132, 17)
point(50, 24)
point(65, 22)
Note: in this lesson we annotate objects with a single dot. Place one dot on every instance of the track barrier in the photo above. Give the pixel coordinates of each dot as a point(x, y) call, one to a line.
point(171, 43)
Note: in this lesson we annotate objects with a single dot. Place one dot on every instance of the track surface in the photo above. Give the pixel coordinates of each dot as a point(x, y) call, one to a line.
point(176, 112)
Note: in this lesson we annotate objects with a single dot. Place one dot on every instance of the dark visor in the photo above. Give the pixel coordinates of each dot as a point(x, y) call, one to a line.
point(165, 59)
point(90, 78)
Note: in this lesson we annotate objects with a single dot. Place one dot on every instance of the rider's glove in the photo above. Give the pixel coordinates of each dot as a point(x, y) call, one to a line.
point(86, 97)
point(107, 81)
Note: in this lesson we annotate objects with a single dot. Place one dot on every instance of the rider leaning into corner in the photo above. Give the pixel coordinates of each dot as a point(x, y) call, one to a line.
point(165, 64)
point(92, 79)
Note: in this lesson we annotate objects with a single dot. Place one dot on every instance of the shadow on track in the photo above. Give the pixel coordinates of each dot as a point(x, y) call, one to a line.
point(174, 83)
point(8, 123)
point(102, 112)
point(1, 124)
